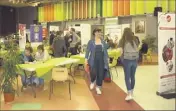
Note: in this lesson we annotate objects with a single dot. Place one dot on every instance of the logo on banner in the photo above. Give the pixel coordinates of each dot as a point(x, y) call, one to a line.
point(168, 18)
point(36, 29)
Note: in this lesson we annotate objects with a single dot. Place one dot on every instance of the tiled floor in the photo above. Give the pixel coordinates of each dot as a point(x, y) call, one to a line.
point(82, 98)
point(112, 98)
point(146, 87)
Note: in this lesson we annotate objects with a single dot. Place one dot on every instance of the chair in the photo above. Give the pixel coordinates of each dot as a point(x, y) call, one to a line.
point(114, 63)
point(59, 74)
point(148, 55)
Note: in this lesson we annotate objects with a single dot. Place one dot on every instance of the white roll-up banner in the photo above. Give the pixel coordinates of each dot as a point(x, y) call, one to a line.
point(166, 52)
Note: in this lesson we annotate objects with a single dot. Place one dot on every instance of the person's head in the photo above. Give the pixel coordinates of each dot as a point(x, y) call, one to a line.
point(72, 30)
point(59, 33)
point(28, 51)
point(128, 36)
point(67, 34)
point(40, 49)
point(97, 32)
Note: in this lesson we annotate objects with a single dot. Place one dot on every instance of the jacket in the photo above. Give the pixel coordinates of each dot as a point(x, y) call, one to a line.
point(90, 53)
point(59, 47)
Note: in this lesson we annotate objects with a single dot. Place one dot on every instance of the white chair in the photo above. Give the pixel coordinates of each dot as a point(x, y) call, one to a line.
point(59, 74)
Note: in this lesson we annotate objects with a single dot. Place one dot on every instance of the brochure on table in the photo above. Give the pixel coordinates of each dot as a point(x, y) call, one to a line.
point(166, 52)
point(22, 36)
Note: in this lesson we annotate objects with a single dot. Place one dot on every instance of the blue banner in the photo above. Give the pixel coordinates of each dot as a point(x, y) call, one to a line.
point(36, 33)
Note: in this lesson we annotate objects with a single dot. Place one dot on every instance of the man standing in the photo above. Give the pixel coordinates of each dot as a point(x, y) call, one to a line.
point(75, 40)
point(51, 38)
point(58, 45)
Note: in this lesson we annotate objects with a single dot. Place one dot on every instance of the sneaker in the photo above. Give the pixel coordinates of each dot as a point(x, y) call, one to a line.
point(98, 90)
point(129, 97)
point(92, 86)
point(132, 94)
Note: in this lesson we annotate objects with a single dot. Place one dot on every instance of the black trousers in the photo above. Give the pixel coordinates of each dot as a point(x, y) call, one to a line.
point(97, 72)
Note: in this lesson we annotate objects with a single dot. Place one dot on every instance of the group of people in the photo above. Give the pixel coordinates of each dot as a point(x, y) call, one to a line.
point(28, 57)
point(96, 56)
point(97, 59)
point(61, 44)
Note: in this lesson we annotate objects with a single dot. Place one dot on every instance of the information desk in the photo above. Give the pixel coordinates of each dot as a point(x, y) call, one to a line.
point(39, 69)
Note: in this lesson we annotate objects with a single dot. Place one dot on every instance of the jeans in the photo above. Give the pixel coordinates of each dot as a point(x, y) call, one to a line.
point(129, 67)
point(97, 72)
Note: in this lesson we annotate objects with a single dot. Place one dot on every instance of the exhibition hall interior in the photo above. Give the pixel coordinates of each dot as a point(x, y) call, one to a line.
point(87, 55)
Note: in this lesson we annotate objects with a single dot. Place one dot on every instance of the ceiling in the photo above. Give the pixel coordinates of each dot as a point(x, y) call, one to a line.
point(27, 2)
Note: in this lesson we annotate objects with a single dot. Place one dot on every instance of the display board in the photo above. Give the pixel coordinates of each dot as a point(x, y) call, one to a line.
point(53, 28)
point(86, 30)
point(22, 36)
point(36, 33)
point(114, 32)
point(166, 52)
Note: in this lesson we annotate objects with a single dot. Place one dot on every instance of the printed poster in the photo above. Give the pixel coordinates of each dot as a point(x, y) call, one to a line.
point(36, 33)
point(22, 36)
point(113, 32)
point(166, 52)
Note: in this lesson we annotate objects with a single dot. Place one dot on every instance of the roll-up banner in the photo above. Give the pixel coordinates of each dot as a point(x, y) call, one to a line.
point(22, 36)
point(166, 53)
point(36, 33)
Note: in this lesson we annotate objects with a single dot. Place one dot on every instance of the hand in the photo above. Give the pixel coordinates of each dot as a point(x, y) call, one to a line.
point(86, 62)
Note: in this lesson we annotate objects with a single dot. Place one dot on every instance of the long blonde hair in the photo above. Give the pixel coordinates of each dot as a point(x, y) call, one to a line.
point(127, 36)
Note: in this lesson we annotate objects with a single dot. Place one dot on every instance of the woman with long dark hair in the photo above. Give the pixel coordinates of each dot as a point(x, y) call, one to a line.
point(130, 57)
point(97, 58)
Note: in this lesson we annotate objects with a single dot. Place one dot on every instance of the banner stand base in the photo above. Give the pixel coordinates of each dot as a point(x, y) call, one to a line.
point(166, 96)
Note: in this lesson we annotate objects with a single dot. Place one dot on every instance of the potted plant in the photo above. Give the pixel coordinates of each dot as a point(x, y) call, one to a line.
point(151, 41)
point(10, 60)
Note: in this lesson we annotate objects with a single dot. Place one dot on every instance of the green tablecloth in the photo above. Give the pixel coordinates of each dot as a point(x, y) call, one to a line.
point(81, 57)
point(42, 68)
point(111, 53)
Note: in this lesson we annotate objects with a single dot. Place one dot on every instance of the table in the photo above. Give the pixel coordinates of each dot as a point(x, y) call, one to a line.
point(81, 57)
point(41, 68)
point(114, 52)
point(111, 53)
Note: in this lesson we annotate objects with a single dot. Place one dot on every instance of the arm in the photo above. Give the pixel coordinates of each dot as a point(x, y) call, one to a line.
point(46, 55)
point(120, 46)
point(88, 50)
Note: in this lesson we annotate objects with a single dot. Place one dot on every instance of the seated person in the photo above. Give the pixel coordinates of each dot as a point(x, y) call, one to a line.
point(27, 55)
point(143, 50)
point(41, 54)
point(28, 58)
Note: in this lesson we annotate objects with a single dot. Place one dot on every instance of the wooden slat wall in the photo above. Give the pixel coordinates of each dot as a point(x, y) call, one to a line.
point(83, 9)
point(127, 7)
point(140, 7)
point(150, 5)
point(120, 7)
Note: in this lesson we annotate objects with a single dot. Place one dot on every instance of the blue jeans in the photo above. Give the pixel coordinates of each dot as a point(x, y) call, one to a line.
point(129, 67)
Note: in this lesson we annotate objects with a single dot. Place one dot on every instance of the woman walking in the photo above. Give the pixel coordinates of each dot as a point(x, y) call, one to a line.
point(130, 57)
point(97, 58)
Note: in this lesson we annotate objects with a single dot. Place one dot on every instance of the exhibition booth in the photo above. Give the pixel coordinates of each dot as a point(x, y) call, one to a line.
point(150, 24)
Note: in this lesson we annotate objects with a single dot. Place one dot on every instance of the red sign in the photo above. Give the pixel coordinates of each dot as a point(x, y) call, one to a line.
point(44, 32)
